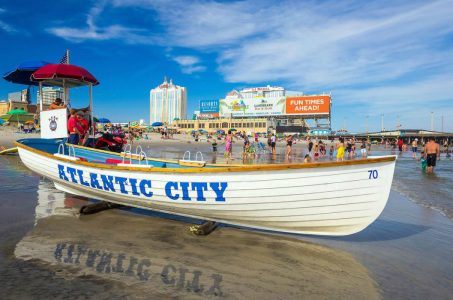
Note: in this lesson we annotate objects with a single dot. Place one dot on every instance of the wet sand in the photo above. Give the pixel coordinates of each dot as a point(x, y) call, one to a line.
point(48, 249)
point(406, 253)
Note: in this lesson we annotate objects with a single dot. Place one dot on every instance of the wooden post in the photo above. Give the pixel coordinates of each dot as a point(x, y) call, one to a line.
point(91, 108)
point(40, 97)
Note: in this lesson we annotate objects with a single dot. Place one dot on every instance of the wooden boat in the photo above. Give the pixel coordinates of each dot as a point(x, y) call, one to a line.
point(322, 198)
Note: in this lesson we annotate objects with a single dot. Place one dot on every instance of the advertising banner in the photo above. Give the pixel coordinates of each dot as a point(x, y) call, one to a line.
point(209, 106)
point(54, 124)
point(252, 107)
point(204, 116)
point(308, 105)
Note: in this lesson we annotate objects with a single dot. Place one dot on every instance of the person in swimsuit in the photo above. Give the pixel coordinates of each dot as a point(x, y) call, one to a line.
point(289, 145)
point(331, 151)
point(432, 152)
point(349, 147)
point(273, 144)
point(316, 151)
point(322, 149)
point(414, 148)
point(340, 150)
point(363, 148)
point(228, 145)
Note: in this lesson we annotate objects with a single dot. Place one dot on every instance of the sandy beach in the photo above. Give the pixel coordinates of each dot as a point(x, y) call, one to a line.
point(134, 253)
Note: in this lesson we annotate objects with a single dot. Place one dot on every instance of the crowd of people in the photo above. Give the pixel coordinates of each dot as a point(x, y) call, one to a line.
point(339, 150)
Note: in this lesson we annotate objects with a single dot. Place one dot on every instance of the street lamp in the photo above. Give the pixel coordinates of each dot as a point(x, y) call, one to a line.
point(382, 122)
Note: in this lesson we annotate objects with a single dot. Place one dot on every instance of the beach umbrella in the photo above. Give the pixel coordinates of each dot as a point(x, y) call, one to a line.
point(95, 120)
point(64, 75)
point(17, 112)
point(157, 124)
point(220, 131)
point(103, 120)
point(23, 72)
point(232, 129)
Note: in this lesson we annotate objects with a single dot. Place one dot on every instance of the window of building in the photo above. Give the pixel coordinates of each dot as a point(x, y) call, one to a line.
point(224, 124)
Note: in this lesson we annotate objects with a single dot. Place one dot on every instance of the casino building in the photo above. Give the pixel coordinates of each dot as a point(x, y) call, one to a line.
point(168, 102)
point(262, 109)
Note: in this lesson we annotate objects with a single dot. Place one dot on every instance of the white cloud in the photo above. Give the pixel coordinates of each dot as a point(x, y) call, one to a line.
point(5, 26)
point(189, 64)
point(94, 32)
point(373, 50)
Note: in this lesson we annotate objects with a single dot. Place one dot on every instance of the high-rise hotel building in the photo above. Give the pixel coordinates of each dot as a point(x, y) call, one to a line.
point(49, 94)
point(167, 103)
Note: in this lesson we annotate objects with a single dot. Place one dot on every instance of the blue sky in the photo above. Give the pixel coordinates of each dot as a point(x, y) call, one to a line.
point(375, 57)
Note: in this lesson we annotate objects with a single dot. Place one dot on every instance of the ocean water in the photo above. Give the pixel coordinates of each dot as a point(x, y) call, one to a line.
point(434, 191)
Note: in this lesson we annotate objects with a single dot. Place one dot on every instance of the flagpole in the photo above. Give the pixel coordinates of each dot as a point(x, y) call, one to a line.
point(66, 90)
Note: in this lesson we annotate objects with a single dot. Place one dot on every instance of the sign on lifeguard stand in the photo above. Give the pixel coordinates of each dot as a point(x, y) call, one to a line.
point(54, 124)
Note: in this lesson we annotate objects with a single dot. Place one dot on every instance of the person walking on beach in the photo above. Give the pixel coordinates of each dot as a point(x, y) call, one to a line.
point(400, 144)
point(322, 149)
point(340, 150)
point(331, 151)
point(349, 147)
point(289, 145)
point(273, 144)
point(414, 148)
point(316, 151)
point(432, 152)
point(310, 145)
point(229, 145)
point(269, 141)
point(363, 149)
point(368, 143)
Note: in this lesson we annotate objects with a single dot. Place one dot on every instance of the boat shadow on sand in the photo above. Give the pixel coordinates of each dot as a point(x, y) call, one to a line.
point(145, 256)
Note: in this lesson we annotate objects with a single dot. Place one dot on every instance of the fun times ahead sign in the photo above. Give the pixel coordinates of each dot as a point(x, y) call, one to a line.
point(54, 124)
point(308, 105)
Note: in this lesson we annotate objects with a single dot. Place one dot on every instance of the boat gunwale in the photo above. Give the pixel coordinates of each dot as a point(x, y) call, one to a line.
point(217, 169)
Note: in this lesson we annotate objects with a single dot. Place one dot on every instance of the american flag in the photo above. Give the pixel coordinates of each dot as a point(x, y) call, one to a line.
point(65, 59)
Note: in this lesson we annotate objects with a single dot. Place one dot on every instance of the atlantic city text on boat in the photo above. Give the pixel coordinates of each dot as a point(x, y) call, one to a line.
point(174, 190)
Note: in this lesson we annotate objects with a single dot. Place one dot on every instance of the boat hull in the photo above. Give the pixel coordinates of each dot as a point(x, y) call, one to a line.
point(329, 200)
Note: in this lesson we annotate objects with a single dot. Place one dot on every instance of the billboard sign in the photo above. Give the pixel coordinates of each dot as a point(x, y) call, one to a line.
point(209, 106)
point(204, 116)
point(252, 107)
point(308, 105)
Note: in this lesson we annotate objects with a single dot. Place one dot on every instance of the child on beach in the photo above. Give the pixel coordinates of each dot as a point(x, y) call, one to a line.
point(307, 158)
point(331, 151)
point(340, 150)
point(423, 161)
